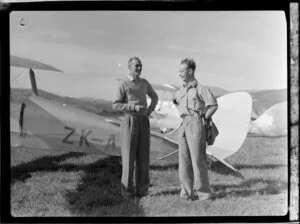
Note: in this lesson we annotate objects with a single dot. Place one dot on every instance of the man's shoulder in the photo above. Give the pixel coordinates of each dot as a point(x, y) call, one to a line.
point(201, 87)
point(124, 81)
point(144, 80)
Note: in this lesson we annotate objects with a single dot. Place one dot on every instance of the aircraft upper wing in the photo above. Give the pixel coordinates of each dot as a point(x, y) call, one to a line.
point(28, 63)
point(170, 87)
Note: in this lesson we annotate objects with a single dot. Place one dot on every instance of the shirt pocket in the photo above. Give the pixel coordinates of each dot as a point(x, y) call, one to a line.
point(182, 103)
point(195, 102)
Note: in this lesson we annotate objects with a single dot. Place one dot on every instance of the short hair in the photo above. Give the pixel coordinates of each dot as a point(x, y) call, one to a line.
point(189, 62)
point(133, 58)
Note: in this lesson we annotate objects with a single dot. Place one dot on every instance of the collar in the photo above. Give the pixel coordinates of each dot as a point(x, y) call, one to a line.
point(131, 78)
point(191, 84)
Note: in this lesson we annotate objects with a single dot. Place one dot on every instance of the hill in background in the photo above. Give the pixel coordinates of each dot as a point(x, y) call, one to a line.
point(96, 106)
point(217, 91)
point(262, 100)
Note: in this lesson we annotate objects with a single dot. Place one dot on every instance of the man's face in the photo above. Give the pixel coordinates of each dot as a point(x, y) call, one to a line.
point(135, 68)
point(184, 73)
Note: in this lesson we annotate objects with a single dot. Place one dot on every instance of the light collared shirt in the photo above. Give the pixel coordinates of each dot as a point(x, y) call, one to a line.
point(133, 92)
point(194, 98)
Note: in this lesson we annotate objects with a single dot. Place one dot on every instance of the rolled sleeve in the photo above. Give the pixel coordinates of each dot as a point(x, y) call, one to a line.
point(153, 96)
point(208, 97)
point(118, 103)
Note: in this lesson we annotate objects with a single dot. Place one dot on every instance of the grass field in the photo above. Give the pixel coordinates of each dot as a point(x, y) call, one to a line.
point(68, 184)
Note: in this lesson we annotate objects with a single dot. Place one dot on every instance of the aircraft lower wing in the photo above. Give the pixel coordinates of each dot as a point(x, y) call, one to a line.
point(15, 139)
point(158, 141)
point(153, 133)
point(44, 129)
point(51, 125)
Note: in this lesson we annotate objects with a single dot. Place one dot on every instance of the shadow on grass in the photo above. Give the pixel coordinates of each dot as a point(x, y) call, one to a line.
point(214, 166)
point(47, 163)
point(174, 191)
point(265, 166)
point(98, 192)
point(164, 167)
point(220, 168)
point(248, 188)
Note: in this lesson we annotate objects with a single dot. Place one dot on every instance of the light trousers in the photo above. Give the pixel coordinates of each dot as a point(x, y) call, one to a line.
point(135, 137)
point(193, 171)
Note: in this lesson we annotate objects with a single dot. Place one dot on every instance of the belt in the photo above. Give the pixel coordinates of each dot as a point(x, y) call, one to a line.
point(200, 115)
point(135, 114)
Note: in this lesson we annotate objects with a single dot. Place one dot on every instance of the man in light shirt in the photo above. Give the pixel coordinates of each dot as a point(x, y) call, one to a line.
point(195, 104)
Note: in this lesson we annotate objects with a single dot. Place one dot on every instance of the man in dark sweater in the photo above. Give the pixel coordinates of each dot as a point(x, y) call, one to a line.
point(135, 128)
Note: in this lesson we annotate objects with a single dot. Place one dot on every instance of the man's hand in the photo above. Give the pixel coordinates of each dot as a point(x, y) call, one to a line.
point(149, 113)
point(205, 120)
point(175, 101)
point(174, 98)
point(140, 108)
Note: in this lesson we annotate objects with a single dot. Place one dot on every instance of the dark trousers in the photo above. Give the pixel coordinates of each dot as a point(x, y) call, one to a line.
point(135, 137)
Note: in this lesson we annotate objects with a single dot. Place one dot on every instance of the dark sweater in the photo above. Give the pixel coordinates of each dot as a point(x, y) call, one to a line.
point(132, 93)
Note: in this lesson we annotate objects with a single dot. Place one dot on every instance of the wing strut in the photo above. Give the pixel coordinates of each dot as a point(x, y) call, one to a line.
point(221, 160)
point(228, 165)
point(163, 157)
point(33, 82)
point(21, 118)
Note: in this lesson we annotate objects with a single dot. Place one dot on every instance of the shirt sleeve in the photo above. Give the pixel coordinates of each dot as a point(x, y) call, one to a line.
point(118, 103)
point(153, 96)
point(208, 97)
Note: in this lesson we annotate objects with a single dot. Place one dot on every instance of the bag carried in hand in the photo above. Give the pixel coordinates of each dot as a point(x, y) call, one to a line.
point(211, 132)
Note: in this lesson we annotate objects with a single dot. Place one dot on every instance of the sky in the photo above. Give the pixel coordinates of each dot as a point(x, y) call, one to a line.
point(234, 50)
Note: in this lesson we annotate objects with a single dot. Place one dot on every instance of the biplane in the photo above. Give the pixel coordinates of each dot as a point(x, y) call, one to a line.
point(49, 125)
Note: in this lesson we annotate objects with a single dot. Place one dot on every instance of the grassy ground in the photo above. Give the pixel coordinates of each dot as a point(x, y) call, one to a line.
point(73, 184)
